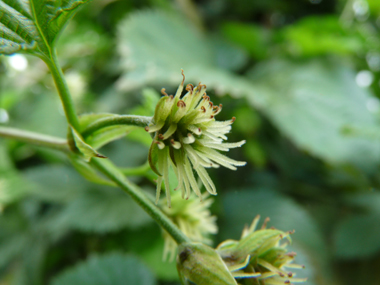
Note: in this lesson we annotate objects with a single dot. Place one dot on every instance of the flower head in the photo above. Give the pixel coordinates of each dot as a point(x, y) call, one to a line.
point(192, 217)
point(186, 136)
point(260, 252)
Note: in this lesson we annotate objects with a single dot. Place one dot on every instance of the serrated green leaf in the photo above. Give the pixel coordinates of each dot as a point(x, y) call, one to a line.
point(33, 25)
point(55, 183)
point(311, 102)
point(12, 185)
point(85, 149)
point(103, 210)
point(111, 268)
point(169, 43)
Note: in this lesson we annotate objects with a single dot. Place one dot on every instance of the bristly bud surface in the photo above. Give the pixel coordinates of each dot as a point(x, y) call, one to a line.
point(187, 137)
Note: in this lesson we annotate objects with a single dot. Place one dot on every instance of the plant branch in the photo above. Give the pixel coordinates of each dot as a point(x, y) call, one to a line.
point(63, 90)
point(116, 176)
point(136, 171)
point(140, 121)
point(35, 138)
point(107, 168)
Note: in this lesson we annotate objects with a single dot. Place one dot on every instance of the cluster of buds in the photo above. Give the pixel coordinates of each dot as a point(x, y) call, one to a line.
point(187, 137)
point(192, 217)
point(259, 257)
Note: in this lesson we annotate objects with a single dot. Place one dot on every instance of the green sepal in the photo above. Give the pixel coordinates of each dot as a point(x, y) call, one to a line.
point(200, 264)
point(252, 242)
point(153, 157)
point(85, 149)
point(159, 107)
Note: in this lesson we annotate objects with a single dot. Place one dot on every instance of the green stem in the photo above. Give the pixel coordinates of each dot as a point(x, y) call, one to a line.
point(140, 121)
point(63, 90)
point(35, 138)
point(107, 168)
point(116, 176)
point(136, 171)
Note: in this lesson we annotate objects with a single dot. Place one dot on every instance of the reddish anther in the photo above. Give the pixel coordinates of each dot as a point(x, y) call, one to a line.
point(183, 75)
point(190, 88)
point(181, 103)
point(267, 218)
point(163, 92)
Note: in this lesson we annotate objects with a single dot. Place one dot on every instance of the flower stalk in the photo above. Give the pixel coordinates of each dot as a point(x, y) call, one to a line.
point(133, 120)
point(63, 90)
point(35, 138)
point(108, 169)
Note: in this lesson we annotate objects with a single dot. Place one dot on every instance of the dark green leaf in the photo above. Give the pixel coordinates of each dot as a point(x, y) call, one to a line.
point(55, 183)
point(107, 269)
point(103, 210)
point(155, 45)
point(358, 236)
point(311, 102)
point(33, 25)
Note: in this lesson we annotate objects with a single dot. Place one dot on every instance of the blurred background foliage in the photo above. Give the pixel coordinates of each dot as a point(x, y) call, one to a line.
point(302, 78)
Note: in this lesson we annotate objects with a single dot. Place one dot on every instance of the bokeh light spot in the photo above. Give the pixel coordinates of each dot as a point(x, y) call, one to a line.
point(18, 62)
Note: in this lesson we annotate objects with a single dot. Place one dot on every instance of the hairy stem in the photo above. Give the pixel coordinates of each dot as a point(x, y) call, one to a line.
point(140, 121)
point(136, 171)
point(35, 138)
point(63, 90)
point(116, 176)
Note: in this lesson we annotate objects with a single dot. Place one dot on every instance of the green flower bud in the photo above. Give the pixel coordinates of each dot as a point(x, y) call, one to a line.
point(199, 264)
point(192, 217)
point(187, 137)
point(267, 255)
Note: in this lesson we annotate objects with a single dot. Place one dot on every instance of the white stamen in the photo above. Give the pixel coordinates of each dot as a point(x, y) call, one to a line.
point(160, 145)
point(175, 144)
point(189, 139)
point(195, 130)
